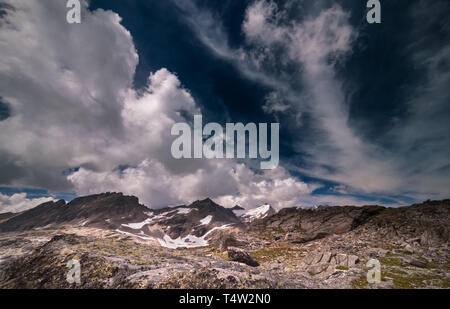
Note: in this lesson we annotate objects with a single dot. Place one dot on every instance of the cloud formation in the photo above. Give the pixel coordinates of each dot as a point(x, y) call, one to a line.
point(78, 124)
point(20, 202)
point(75, 122)
point(317, 41)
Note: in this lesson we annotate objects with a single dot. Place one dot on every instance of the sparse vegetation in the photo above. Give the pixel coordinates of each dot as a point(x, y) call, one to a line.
point(282, 250)
point(342, 268)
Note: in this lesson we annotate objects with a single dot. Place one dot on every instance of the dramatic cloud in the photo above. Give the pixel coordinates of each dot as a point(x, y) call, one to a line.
point(316, 41)
point(74, 122)
point(77, 123)
point(65, 85)
point(316, 44)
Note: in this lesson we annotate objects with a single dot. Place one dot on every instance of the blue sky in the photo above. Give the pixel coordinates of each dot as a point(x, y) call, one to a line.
point(363, 109)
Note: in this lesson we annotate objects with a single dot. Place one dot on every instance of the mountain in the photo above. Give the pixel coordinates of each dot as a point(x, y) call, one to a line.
point(183, 226)
point(429, 222)
point(102, 211)
point(310, 224)
point(258, 213)
point(6, 216)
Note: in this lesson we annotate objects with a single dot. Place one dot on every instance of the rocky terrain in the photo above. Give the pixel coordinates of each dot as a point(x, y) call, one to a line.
point(122, 244)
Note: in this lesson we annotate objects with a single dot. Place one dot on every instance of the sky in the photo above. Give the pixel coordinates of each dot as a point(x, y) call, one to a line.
point(88, 108)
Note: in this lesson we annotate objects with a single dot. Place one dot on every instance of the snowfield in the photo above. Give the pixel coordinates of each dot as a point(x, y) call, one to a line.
point(206, 220)
point(190, 241)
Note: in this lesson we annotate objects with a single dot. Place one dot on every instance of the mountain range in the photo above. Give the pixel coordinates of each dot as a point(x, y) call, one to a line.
point(172, 227)
point(121, 243)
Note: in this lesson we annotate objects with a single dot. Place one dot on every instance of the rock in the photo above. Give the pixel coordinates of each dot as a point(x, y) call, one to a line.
point(326, 257)
point(228, 241)
point(352, 260)
point(241, 256)
point(317, 258)
point(409, 248)
point(342, 259)
point(309, 259)
point(309, 237)
point(333, 261)
point(288, 237)
point(418, 263)
point(317, 269)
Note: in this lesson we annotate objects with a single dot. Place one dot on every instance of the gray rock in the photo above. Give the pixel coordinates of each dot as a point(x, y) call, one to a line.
point(317, 258)
point(342, 259)
point(352, 260)
point(418, 263)
point(317, 269)
point(241, 256)
point(326, 257)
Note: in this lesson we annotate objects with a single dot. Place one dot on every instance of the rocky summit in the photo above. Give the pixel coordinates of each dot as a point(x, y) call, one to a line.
point(120, 243)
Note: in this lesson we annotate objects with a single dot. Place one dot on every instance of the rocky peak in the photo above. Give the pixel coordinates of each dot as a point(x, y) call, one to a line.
point(237, 207)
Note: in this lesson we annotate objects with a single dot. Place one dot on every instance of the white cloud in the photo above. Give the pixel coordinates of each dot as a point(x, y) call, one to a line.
point(275, 187)
point(226, 182)
point(73, 105)
point(317, 43)
point(316, 40)
point(70, 89)
point(19, 202)
point(63, 83)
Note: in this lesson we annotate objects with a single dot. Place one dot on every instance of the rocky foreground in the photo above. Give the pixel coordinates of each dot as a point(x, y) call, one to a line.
point(327, 247)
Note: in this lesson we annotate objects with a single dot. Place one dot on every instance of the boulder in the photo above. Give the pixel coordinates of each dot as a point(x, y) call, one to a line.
point(241, 256)
point(418, 263)
point(317, 269)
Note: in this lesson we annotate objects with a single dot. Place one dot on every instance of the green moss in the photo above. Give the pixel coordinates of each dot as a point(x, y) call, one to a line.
point(285, 251)
point(390, 261)
point(266, 233)
point(443, 283)
point(111, 247)
point(342, 268)
point(404, 280)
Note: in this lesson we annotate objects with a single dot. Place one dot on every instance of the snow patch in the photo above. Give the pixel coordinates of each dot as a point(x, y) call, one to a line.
point(139, 225)
point(257, 213)
point(40, 239)
point(190, 241)
point(206, 220)
point(185, 211)
point(152, 218)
